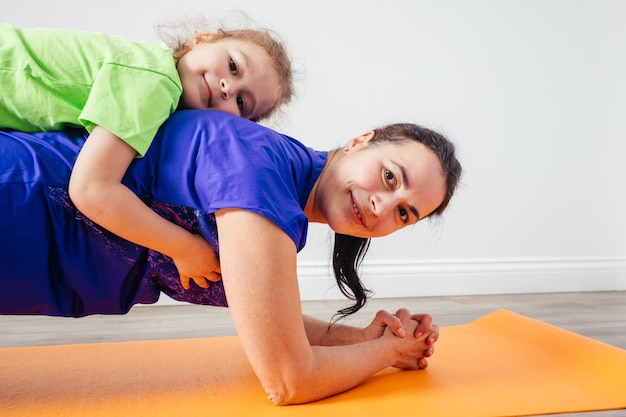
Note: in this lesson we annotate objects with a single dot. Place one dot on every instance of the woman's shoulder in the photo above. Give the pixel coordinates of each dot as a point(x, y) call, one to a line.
point(219, 129)
point(240, 143)
point(241, 164)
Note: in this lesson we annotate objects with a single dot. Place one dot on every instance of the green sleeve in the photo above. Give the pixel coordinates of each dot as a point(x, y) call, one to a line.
point(131, 103)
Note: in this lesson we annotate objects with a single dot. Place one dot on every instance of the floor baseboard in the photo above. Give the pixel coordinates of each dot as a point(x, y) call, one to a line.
point(419, 278)
point(472, 277)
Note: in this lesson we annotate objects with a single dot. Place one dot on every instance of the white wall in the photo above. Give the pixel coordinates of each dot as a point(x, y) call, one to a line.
point(533, 93)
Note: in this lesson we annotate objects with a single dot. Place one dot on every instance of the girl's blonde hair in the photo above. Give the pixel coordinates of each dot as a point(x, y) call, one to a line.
point(265, 38)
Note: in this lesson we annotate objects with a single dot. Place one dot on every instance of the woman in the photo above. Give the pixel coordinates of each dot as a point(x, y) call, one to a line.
point(258, 189)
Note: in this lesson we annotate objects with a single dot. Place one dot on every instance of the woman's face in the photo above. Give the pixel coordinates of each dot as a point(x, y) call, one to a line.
point(374, 190)
point(229, 75)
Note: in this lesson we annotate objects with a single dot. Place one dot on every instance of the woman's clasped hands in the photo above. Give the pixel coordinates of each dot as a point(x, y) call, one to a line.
point(414, 336)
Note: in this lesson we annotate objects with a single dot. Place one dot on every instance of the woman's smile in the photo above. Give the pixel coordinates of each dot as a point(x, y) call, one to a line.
point(356, 212)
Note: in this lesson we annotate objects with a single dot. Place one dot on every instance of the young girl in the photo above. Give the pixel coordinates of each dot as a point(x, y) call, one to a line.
point(122, 91)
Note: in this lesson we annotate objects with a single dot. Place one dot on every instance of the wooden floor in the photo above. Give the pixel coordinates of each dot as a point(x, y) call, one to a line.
point(599, 315)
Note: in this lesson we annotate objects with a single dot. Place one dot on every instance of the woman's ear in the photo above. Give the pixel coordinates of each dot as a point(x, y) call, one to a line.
point(359, 141)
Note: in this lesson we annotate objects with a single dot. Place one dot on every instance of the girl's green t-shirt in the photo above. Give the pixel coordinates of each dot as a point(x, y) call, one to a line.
point(55, 78)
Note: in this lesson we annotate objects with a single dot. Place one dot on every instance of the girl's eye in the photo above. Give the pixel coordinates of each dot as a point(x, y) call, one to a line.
point(404, 215)
point(240, 102)
point(233, 67)
point(389, 177)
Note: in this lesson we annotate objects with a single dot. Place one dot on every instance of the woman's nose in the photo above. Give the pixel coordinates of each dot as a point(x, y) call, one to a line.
point(381, 205)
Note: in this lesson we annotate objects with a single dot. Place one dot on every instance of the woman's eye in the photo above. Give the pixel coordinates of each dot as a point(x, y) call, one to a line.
point(233, 67)
point(240, 102)
point(404, 215)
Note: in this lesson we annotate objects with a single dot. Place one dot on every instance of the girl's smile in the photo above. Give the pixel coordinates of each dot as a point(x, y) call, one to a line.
point(229, 75)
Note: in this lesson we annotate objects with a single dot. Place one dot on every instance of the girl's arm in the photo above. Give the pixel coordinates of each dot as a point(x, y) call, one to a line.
point(96, 189)
point(259, 276)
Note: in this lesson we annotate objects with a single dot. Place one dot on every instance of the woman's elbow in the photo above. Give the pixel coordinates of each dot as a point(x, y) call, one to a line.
point(287, 390)
point(284, 395)
point(277, 396)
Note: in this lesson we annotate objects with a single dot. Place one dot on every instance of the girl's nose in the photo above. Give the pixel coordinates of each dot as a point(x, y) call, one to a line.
point(225, 86)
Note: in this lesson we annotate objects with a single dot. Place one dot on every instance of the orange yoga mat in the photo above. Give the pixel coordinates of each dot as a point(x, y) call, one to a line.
point(503, 364)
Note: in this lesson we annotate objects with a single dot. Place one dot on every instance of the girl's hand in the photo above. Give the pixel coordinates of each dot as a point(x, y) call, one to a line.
point(199, 263)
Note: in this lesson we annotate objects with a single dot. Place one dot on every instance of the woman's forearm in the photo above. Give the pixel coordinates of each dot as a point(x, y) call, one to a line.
point(333, 370)
point(322, 333)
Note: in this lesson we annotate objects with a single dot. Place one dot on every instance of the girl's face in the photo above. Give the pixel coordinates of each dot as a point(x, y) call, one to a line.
point(229, 75)
point(372, 191)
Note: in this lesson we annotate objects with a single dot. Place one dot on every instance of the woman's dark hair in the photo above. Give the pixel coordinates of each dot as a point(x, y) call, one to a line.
point(349, 251)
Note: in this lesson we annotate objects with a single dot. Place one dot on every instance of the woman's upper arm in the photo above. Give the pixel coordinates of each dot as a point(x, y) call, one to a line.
point(259, 272)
